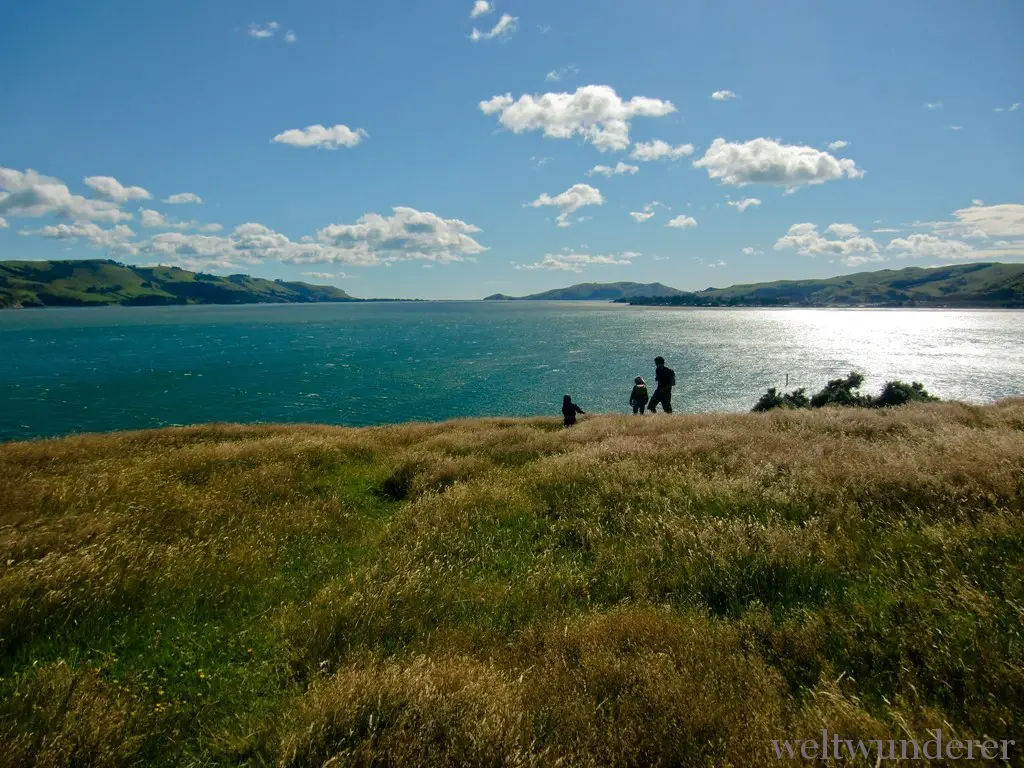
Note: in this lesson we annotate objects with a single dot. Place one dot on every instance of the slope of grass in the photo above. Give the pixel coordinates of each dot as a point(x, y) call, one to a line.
point(669, 590)
point(98, 282)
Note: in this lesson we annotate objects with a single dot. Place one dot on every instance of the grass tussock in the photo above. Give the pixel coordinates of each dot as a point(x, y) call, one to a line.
point(634, 591)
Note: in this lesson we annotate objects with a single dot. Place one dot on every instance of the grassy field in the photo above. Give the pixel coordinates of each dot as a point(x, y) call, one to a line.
point(668, 590)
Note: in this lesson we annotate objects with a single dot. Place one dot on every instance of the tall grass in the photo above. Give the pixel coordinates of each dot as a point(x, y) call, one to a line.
point(671, 590)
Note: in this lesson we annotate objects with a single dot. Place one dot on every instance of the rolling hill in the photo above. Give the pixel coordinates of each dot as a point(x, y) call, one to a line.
point(100, 282)
point(964, 285)
point(595, 292)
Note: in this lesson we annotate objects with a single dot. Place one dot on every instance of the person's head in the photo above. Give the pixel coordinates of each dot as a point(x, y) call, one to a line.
point(659, 361)
point(638, 380)
point(567, 399)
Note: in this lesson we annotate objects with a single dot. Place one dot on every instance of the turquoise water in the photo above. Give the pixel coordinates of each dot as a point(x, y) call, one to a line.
point(74, 370)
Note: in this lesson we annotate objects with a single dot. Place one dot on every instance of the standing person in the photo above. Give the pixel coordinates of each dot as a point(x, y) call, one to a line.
point(638, 397)
point(666, 379)
point(569, 411)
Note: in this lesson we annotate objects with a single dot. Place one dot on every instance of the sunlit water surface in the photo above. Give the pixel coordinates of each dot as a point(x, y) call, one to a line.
point(73, 370)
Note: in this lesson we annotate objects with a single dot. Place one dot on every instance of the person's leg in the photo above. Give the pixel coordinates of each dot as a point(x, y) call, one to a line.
point(655, 399)
point(666, 401)
point(636, 409)
point(642, 409)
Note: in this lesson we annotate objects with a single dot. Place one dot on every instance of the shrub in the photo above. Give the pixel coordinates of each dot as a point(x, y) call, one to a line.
point(900, 393)
point(846, 392)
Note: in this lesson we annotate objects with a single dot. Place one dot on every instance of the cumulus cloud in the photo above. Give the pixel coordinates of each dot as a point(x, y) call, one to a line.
point(931, 246)
point(742, 205)
point(115, 238)
point(211, 228)
point(934, 105)
point(321, 137)
point(682, 222)
point(407, 234)
point(838, 145)
point(594, 112)
point(576, 262)
point(262, 33)
point(752, 252)
point(30, 194)
point(155, 220)
point(660, 150)
point(842, 231)
point(504, 28)
point(3, 223)
point(557, 74)
point(570, 201)
point(647, 212)
point(1012, 108)
point(1005, 220)
point(765, 161)
point(852, 249)
point(619, 169)
point(480, 8)
point(330, 275)
point(290, 37)
point(182, 198)
point(723, 95)
point(111, 189)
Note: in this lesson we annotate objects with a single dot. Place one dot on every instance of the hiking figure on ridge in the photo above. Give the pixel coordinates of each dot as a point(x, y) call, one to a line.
point(666, 379)
point(569, 411)
point(638, 397)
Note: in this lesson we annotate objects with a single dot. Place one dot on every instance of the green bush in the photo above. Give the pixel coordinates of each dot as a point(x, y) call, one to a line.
point(846, 392)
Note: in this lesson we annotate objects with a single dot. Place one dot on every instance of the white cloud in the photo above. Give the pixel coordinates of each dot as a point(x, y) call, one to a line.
point(885, 230)
point(30, 194)
point(1004, 220)
point(955, 127)
point(594, 112)
point(658, 150)
point(934, 105)
point(842, 231)
point(290, 36)
point(262, 33)
point(111, 189)
point(742, 205)
point(765, 161)
point(116, 238)
point(155, 220)
point(329, 275)
point(3, 223)
point(853, 250)
point(570, 201)
point(931, 246)
point(723, 95)
point(748, 251)
point(211, 228)
point(640, 217)
point(480, 8)
point(406, 235)
point(712, 265)
point(977, 202)
point(506, 26)
point(181, 198)
point(682, 222)
point(557, 74)
point(619, 169)
point(838, 145)
point(576, 262)
point(321, 137)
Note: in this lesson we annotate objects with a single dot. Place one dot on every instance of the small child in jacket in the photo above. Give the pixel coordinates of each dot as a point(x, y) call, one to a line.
point(638, 397)
point(569, 411)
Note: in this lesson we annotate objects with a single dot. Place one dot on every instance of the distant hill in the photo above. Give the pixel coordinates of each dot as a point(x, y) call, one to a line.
point(964, 285)
point(99, 282)
point(595, 292)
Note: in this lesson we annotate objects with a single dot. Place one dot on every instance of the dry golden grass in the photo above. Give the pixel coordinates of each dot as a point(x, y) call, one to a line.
point(633, 591)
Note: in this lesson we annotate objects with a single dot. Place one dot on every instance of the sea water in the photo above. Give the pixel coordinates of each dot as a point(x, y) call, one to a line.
point(88, 370)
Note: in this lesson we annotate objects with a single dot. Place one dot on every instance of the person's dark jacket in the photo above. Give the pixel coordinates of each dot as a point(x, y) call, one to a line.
point(569, 411)
point(665, 377)
point(639, 395)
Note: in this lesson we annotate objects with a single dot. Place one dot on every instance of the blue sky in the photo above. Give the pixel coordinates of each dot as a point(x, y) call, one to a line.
point(464, 167)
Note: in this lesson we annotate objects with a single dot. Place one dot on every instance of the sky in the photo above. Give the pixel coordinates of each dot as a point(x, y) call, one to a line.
point(460, 148)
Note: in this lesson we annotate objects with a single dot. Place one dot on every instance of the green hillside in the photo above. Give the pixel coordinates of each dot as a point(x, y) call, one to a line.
point(964, 285)
point(98, 282)
point(595, 292)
